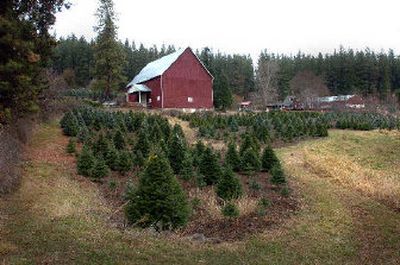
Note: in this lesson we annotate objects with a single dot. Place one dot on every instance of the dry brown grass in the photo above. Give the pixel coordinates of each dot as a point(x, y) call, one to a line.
point(352, 165)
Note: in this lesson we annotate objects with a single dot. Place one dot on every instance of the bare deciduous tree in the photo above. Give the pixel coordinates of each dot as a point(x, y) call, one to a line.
point(266, 81)
point(306, 86)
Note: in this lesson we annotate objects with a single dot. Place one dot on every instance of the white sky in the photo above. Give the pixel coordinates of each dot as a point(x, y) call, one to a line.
point(249, 26)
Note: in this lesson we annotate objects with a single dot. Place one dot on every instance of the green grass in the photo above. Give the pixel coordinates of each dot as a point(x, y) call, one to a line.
point(56, 218)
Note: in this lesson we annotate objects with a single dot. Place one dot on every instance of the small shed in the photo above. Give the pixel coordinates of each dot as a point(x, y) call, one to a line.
point(140, 94)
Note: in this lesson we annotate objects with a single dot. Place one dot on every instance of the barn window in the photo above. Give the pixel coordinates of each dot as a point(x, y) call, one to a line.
point(190, 99)
point(158, 98)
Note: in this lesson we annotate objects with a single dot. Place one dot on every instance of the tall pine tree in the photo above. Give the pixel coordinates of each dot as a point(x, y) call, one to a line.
point(109, 56)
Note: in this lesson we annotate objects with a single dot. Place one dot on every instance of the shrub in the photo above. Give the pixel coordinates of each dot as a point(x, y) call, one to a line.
point(285, 191)
point(159, 199)
point(278, 176)
point(254, 185)
point(262, 206)
point(230, 210)
point(85, 162)
point(229, 186)
point(71, 147)
point(112, 185)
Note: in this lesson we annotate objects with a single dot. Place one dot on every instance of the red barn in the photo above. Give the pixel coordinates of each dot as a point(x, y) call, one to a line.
point(178, 80)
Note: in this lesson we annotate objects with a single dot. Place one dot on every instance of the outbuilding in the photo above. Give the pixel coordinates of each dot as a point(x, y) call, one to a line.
point(176, 81)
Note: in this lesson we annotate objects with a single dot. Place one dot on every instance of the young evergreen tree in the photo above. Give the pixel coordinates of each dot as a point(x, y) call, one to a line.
point(142, 146)
point(85, 162)
point(70, 124)
point(250, 161)
point(209, 167)
point(125, 162)
point(71, 147)
point(229, 186)
point(197, 153)
point(109, 57)
point(232, 157)
point(177, 151)
point(278, 176)
point(112, 158)
point(187, 171)
point(159, 199)
point(100, 169)
point(119, 140)
point(269, 158)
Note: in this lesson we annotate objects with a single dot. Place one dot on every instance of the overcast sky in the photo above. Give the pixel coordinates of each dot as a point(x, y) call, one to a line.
point(247, 26)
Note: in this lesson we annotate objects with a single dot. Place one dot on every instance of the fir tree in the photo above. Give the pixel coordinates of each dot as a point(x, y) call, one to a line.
point(71, 147)
point(177, 151)
point(229, 186)
point(112, 158)
point(269, 158)
point(186, 172)
point(125, 162)
point(198, 153)
point(109, 57)
point(159, 199)
point(100, 169)
point(70, 124)
point(119, 140)
point(232, 157)
point(142, 146)
point(278, 176)
point(250, 161)
point(209, 167)
point(85, 162)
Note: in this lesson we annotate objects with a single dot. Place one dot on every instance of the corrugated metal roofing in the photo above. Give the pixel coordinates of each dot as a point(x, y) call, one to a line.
point(156, 68)
point(136, 88)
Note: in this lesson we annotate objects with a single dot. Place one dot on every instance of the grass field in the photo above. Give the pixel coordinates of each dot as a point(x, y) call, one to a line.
point(349, 185)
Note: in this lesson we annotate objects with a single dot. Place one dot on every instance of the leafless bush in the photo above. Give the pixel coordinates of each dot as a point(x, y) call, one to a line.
point(10, 150)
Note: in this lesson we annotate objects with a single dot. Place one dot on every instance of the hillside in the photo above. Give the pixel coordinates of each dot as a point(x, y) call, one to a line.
point(348, 184)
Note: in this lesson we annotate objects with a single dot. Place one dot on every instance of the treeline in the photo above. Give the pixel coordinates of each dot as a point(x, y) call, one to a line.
point(74, 59)
point(363, 72)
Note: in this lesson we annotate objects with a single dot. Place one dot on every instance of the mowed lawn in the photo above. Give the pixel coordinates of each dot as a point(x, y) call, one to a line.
point(348, 184)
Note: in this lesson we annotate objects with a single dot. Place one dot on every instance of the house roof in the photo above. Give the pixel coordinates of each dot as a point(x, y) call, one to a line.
point(136, 88)
point(156, 68)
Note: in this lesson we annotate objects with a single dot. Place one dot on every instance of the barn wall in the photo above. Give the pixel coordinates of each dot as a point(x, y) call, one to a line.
point(155, 86)
point(187, 78)
point(132, 97)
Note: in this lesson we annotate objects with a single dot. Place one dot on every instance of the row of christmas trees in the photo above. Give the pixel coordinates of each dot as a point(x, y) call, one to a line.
point(126, 141)
point(287, 126)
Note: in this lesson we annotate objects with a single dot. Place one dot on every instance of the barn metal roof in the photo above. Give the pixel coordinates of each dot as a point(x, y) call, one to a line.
point(136, 88)
point(156, 68)
point(335, 98)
